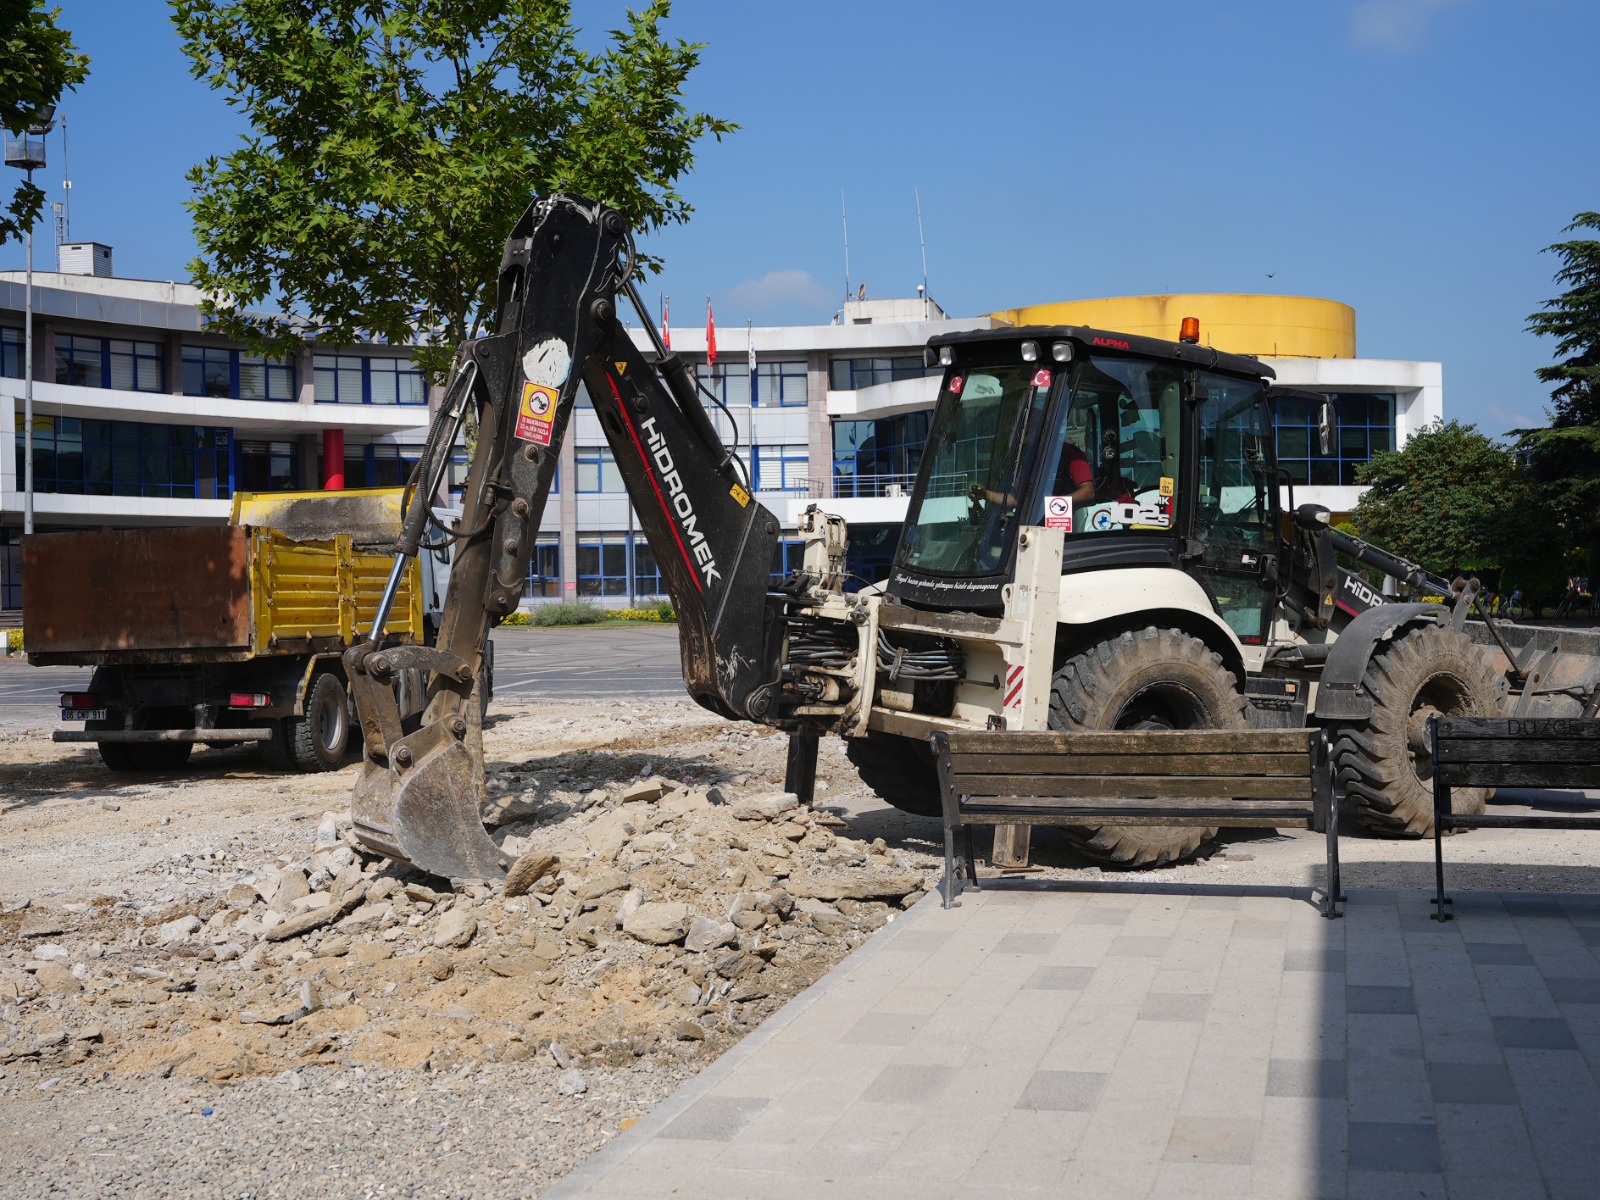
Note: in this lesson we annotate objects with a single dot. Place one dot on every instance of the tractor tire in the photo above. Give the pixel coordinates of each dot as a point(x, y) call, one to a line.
point(1145, 679)
point(899, 769)
point(317, 739)
point(115, 756)
point(1385, 763)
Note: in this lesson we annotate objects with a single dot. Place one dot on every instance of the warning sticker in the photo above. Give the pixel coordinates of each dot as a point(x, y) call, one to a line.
point(739, 494)
point(1166, 485)
point(1058, 512)
point(536, 413)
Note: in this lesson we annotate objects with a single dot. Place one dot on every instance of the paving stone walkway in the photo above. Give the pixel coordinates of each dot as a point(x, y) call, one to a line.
point(1168, 1042)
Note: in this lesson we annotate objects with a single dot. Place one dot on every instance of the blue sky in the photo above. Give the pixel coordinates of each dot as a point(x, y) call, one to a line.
point(1408, 157)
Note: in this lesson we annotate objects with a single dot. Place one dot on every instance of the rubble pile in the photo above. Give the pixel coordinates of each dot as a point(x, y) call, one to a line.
point(642, 919)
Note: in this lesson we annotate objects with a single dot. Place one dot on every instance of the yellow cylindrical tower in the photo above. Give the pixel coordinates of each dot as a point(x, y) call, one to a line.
point(1267, 326)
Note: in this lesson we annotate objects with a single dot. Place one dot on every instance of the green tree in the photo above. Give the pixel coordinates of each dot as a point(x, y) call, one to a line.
point(1564, 459)
point(394, 143)
point(37, 63)
point(1451, 498)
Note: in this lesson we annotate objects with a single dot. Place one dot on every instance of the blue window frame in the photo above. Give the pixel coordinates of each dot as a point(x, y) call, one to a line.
point(647, 581)
point(779, 382)
point(119, 363)
point(78, 457)
point(11, 345)
point(544, 568)
point(848, 374)
point(781, 468)
point(597, 471)
point(367, 379)
point(235, 375)
point(1366, 427)
point(266, 466)
point(788, 556)
point(872, 458)
point(728, 381)
point(603, 564)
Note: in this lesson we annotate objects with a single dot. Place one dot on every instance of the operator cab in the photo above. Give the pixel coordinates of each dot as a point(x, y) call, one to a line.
point(1144, 452)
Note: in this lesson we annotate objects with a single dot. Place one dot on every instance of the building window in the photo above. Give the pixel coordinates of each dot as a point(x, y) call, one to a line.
point(77, 457)
point(788, 556)
point(781, 468)
point(268, 467)
point(455, 482)
point(728, 381)
point(11, 346)
point(597, 471)
point(603, 564)
point(358, 379)
point(781, 383)
point(108, 363)
point(647, 581)
point(79, 361)
point(849, 374)
point(10, 568)
point(386, 465)
point(544, 568)
point(235, 375)
point(1366, 427)
point(878, 458)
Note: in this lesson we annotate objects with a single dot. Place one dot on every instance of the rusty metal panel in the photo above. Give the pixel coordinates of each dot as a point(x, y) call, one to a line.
point(148, 592)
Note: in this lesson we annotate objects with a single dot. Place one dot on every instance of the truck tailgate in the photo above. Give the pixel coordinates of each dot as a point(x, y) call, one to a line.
point(136, 595)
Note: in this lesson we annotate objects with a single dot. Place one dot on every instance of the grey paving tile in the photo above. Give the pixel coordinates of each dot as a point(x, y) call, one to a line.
point(1060, 979)
point(714, 1118)
point(1327, 961)
point(1103, 916)
point(1128, 946)
point(1471, 1186)
point(905, 1083)
point(1387, 1001)
point(1499, 954)
point(1321, 1078)
point(1394, 1146)
point(1175, 1006)
point(1397, 1101)
point(1063, 1091)
point(1471, 1083)
point(883, 1029)
point(1573, 991)
point(1026, 943)
point(1385, 1185)
point(918, 941)
point(1229, 1140)
point(1487, 1140)
point(1214, 903)
point(1534, 1033)
point(1590, 934)
point(1256, 928)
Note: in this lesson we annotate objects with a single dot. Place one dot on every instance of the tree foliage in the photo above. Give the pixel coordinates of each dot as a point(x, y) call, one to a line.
point(1573, 319)
point(37, 63)
point(1452, 498)
point(394, 142)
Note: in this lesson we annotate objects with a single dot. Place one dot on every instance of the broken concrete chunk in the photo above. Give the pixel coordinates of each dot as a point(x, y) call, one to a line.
point(572, 1083)
point(456, 928)
point(705, 934)
point(317, 917)
point(175, 933)
point(291, 886)
point(42, 923)
point(57, 979)
point(529, 870)
point(658, 923)
point(645, 790)
point(766, 808)
point(853, 885)
point(601, 885)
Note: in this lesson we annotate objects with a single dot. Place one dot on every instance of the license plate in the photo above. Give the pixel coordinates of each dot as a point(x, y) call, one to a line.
point(83, 714)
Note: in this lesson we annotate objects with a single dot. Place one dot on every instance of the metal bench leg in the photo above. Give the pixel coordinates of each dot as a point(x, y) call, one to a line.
point(972, 858)
point(1336, 894)
point(1441, 806)
point(947, 885)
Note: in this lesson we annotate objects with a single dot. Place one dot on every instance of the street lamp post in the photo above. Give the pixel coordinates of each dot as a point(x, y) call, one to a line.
point(26, 151)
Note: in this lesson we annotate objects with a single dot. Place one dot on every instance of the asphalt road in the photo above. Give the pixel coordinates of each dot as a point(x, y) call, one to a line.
point(616, 662)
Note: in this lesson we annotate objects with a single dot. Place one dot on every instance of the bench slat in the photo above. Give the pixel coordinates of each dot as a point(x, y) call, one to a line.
point(1487, 774)
point(1001, 763)
point(1150, 786)
point(1212, 741)
point(1522, 821)
point(1518, 750)
point(975, 805)
point(1565, 728)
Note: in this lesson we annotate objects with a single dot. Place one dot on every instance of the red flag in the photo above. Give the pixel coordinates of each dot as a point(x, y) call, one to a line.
point(711, 335)
point(666, 322)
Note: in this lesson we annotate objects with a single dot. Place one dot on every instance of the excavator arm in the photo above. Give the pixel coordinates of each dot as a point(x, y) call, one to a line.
point(565, 267)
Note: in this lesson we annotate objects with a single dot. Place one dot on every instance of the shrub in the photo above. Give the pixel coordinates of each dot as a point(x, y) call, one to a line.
point(661, 612)
point(568, 612)
point(14, 640)
point(516, 618)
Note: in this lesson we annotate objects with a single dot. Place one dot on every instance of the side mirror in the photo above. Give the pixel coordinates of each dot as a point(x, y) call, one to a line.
point(1327, 425)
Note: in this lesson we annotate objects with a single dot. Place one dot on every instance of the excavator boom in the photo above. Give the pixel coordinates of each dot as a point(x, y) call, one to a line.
point(565, 267)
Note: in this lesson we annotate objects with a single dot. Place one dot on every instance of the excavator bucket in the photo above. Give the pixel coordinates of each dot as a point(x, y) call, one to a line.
point(423, 805)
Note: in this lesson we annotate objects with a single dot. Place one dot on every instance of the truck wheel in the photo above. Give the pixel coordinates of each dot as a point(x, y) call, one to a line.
point(115, 756)
point(1145, 679)
point(899, 769)
point(144, 756)
point(317, 740)
point(1386, 762)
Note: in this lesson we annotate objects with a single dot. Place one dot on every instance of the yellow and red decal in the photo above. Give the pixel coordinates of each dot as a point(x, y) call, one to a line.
point(536, 412)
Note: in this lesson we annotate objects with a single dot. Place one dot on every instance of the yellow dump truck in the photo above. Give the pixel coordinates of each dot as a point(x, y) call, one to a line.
point(226, 633)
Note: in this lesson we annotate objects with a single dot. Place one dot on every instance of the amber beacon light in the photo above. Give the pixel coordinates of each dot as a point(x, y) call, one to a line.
point(1189, 331)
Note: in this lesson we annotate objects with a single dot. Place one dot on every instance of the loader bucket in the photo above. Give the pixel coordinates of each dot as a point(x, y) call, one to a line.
point(422, 807)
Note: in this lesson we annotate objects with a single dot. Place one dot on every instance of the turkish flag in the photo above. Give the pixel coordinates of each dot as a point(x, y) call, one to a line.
point(711, 335)
point(666, 322)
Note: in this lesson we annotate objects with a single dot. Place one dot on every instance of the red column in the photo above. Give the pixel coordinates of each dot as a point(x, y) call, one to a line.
point(333, 460)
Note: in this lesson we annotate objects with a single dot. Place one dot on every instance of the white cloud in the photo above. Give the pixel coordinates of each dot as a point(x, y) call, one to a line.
point(1508, 419)
point(1395, 25)
point(780, 289)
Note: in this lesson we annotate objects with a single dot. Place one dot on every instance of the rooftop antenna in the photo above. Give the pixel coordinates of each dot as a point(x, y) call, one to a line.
point(844, 218)
point(923, 241)
point(63, 207)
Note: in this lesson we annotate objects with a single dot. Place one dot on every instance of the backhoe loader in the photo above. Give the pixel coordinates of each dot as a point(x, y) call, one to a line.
point(1097, 539)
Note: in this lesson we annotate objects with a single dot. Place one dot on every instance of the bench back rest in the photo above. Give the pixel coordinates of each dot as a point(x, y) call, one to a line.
point(1553, 752)
point(1268, 763)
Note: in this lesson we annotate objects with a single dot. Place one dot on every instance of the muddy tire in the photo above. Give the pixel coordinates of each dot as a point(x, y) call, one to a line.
point(115, 756)
point(1145, 679)
point(317, 739)
point(1385, 763)
point(898, 769)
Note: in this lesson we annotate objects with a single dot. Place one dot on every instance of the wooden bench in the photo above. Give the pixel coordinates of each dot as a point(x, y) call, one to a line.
point(1207, 778)
point(1537, 752)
